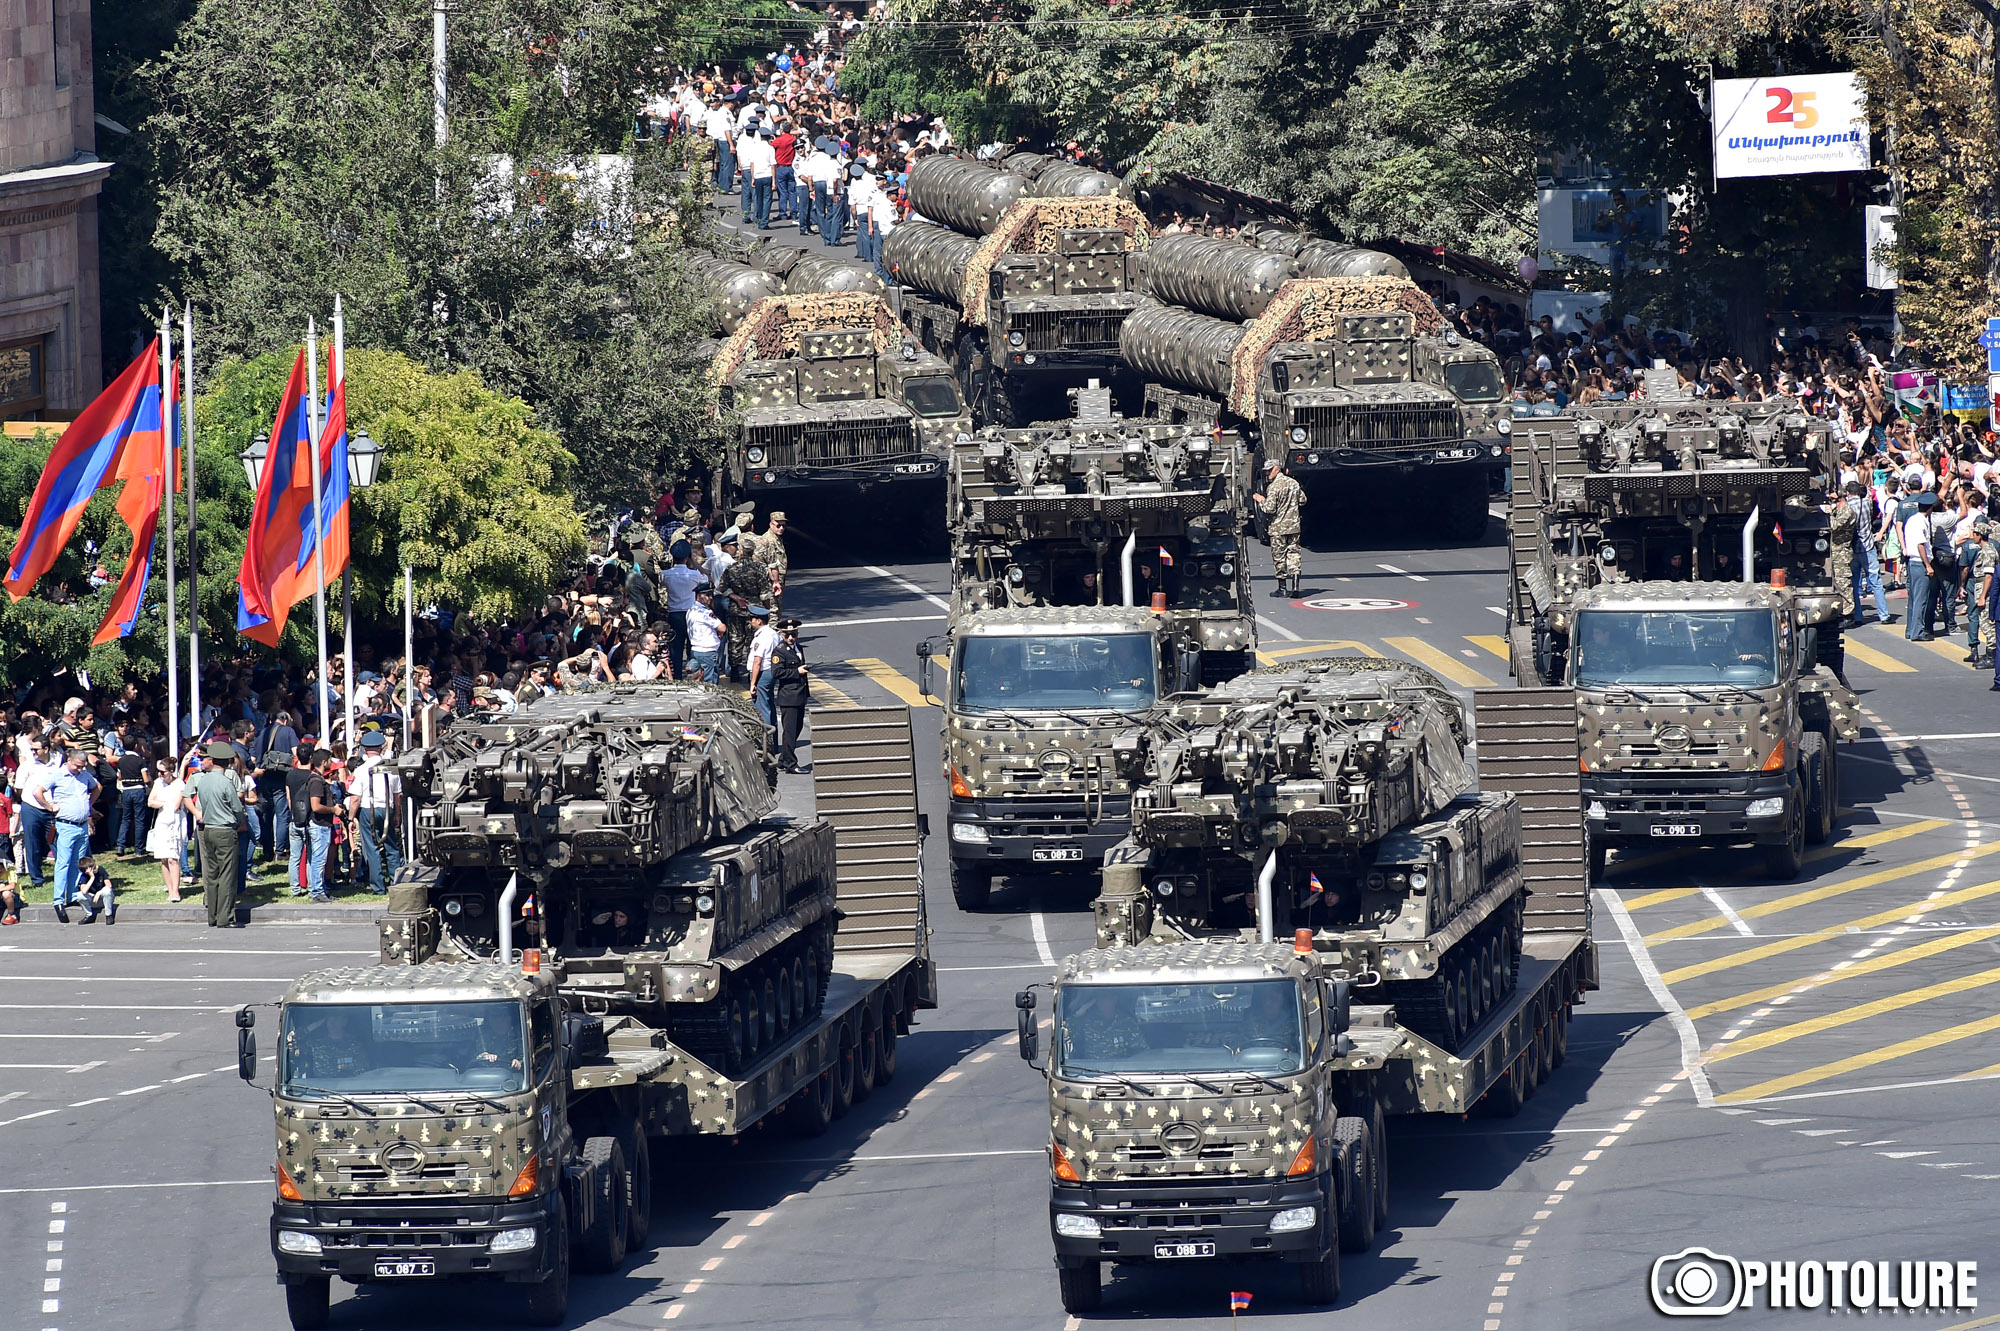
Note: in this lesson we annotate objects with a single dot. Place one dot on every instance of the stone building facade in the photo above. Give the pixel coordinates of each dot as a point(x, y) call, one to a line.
point(51, 357)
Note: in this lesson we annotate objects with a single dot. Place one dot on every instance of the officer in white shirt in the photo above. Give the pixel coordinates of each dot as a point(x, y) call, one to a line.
point(720, 125)
point(374, 795)
point(760, 167)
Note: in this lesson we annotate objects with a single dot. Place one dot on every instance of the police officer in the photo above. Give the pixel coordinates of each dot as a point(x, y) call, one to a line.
point(1281, 509)
point(792, 688)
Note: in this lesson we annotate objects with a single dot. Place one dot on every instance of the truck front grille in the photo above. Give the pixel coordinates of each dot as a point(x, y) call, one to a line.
point(1057, 330)
point(834, 443)
point(1392, 425)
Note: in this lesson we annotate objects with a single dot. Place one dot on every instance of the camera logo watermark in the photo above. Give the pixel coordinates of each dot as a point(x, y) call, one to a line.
point(1696, 1282)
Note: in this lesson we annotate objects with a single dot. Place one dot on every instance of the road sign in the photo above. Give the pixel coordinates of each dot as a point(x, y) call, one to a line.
point(1990, 339)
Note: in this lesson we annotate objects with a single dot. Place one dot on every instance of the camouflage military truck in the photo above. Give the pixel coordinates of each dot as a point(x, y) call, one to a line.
point(617, 929)
point(830, 393)
point(1101, 510)
point(1330, 359)
point(1018, 277)
point(1222, 1095)
point(1672, 564)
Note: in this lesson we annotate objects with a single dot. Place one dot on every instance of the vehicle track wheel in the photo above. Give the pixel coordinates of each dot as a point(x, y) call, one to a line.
point(753, 1024)
point(1082, 1284)
point(768, 998)
point(1503, 975)
point(309, 1301)
point(1483, 962)
point(735, 1054)
point(1352, 1137)
point(804, 995)
point(601, 1248)
point(885, 1038)
point(1465, 1023)
point(547, 1300)
point(843, 1072)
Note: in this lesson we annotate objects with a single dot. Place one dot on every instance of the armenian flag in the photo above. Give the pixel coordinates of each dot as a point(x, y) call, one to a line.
point(1238, 1300)
point(1166, 557)
point(278, 565)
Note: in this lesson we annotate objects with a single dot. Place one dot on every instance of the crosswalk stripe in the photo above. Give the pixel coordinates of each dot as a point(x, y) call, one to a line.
point(1491, 642)
point(1665, 894)
point(892, 679)
point(1777, 1035)
point(1884, 961)
point(1780, 946)
point(1823, 852)
point(1321, 649)
point(826, 695)
point(1868, 656)
point(1424, 654)
point(1827, 892)
point(1951, 649)
point(1854, 1063)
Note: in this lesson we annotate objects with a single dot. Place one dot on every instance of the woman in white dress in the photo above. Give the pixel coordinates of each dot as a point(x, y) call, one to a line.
point(163, 843)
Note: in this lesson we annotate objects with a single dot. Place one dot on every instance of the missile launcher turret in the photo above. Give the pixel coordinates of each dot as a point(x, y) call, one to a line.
point(1333, 797)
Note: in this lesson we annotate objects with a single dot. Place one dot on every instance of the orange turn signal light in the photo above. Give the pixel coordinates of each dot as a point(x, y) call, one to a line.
point(286, 1188)
point(1776, 762)
point(959, 789)
point(1302, 941)
point(1582, 763)
point(531, 961)
point(1060, 1165)
point(1305, 1160)
point(528, 1179)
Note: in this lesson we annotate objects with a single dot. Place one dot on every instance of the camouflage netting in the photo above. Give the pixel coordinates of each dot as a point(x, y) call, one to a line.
point(771, 330)
point(1035, 226)
point(1308, 310)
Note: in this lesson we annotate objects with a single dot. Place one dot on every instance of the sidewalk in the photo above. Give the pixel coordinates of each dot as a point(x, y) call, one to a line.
point(192, 911)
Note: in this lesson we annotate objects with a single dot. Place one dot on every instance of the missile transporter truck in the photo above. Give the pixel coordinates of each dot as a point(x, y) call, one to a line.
point(617, 928)
point(1328, 359)
point(1019, 279)
point(1674, 566)
point(1316, 925)
point(831, 394)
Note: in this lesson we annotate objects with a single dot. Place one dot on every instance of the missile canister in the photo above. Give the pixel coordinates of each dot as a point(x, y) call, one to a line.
point(737, 287)
point(1325, 258)
point(967, 196)
point(823, 274)
point(1220, 277)
point(933, 258)
point(1178, 346)
point(1070, 181)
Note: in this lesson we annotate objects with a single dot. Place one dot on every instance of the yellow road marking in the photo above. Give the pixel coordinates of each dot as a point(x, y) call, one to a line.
point(1873, 1057)
point(1830, 890)
point(1424, 654)
point(892, 679)
point(1320, 648)
point(825, 695)
point(1990, 1070)
point(1951, 649)
point(1780, 946)
point(1823, 852)
point(1491, 642)
point(1886, 961)
point(1663, 895)
point(1750, 1044)
point(1879, 660)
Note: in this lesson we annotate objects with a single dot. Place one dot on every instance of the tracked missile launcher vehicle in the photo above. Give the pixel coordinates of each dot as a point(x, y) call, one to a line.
point(1018, 278)
point(1326, 358)
point(1674, 565)
point(1333, 797)
point(1102, 510)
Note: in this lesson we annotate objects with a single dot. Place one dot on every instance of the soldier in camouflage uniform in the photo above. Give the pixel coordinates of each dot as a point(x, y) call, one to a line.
point(744, 583)
point(1099, 1025)
point(770, 547)
point(1842, 528)
point(1979, 594)
point(1281, 507)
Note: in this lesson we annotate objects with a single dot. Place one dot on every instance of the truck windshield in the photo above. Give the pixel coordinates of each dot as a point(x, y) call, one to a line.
point(1692, 647)
point(1475, 381)
point(336, 1049)
point(1248, 1026)
point(1084, 670)
point(931, 397)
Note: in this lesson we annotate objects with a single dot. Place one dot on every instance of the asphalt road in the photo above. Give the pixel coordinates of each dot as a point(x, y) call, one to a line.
point(1839, 1026)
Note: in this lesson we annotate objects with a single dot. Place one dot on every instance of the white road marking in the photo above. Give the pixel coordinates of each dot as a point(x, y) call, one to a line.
point(78, 1035)
point(1279, 629)
point(1690, 1043)
point(1041, 932)
point(193, 951)
point(1498, 610)
point(11, 1095)
point(906, 585)
point(1737, 922)
point(1402, 572)
point(154, 979)
point(1869, 1090)
point(1017, 966)
point(885, 619)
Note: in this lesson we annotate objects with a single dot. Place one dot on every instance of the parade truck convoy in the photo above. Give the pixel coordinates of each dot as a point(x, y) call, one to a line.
point(1316, 923)
point(1098, 565)
point(1676, 563)
point(616, 931)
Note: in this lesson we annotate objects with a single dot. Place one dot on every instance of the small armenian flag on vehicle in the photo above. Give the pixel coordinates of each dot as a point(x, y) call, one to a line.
point(1238, 1300)
point(1166, 557)
point(690, 733)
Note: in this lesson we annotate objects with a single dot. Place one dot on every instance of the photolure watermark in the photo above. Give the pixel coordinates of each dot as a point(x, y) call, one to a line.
point(1696, 1282)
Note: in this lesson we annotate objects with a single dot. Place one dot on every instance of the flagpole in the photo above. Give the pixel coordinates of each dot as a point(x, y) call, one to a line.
point(338, 375)
point(313, 423)
point(194, 563)
point(409, 705)
point(167, 501)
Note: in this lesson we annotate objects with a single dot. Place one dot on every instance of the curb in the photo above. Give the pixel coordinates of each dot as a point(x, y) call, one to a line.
point(181, 913)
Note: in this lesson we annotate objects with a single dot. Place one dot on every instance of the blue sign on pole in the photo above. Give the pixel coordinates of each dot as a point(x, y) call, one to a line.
point(1990, 339)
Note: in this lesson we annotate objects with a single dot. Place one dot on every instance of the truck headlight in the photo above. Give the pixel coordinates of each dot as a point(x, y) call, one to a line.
point(1028, 359)
point(1596, 810)
point(1077, 1226)
point(1497, 450)
point(755, 456)
point(1228, 567)
point(971, 834)
point(1298, 434)
point(298, 1242)
point(1769, 808)
point(513, 1240)
point(1504, 425)
point(1294, 1220)
point(1165, 887)
point(1015, 339)
point(704, 903)
point(1313, 458)
point(1419, 880)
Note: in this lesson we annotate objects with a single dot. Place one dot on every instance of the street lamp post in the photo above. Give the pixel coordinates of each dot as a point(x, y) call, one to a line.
point(364, 462)
point(253, 457)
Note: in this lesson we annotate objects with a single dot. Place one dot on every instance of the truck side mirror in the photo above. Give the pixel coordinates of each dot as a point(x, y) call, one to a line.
point(1024, 1004)
point(246, 1053)
point(924, 668)
point(1337, 1007)
point(1808, 649)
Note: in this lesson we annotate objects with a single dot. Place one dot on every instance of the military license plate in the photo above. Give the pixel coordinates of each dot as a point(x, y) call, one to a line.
point(1165, 1251)
point(1056, 855)
point(1676, 829)
point(914, 468)
point(390, 1268)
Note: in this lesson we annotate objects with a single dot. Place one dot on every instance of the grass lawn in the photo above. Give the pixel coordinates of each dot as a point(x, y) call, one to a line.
point(140, 881)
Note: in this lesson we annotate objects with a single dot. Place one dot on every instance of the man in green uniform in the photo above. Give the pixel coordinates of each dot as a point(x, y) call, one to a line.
point(222, 813)
point(1978, 593)
point(1281, 505)
point(1840, 532)
point(770, 547)
point(744, 583)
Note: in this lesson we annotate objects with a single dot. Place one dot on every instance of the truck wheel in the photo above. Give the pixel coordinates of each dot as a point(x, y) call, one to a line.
point(308, 1300)
point(1817, 766)
point(810, 1110)
point(753, 1024)
point(1783, 859)
point(1319, 1279)
point(601, 1248)
point(781, 986)
point(864, 1056)
point(733, 1036)
point(768, 998)
point(1357, 1207)
point(1503, 1099)
point(1378, 1129)
point(970, 887)
point(885, 1039)
point(638, 1185)
point(1082, 1284)
point(547, 1301)
point(1559, 1041)
point(843, 1072)
point(802, 991)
